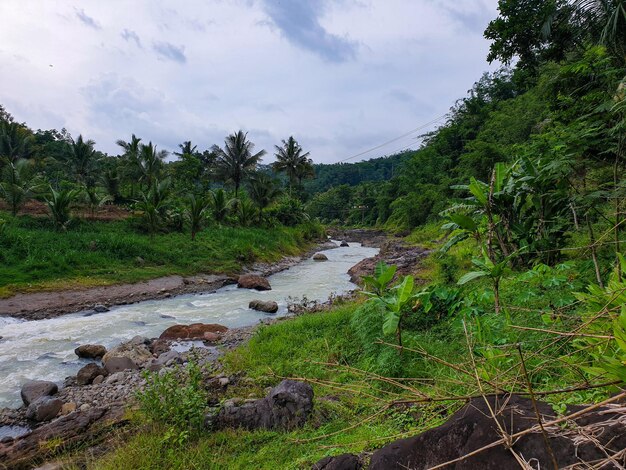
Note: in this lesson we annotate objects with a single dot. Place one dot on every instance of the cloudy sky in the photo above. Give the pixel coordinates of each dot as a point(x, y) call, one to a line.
point(341, 76)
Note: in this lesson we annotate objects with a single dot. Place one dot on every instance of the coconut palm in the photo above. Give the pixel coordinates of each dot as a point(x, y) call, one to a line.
point(18, 183)
point(186, 149)
point(16, 140)
point(263, 190)
point(236, 160)
point(195, 212)
point(59, 203)
point(605, 22)
point(83, 160)
point(220, 205)
point(290, 160)
point(150, 163)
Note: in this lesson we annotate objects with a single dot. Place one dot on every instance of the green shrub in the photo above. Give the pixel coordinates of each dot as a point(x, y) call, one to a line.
point(175, 398)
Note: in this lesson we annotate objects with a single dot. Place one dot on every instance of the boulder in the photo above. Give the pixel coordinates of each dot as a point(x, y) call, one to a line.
point(87, 374)
point(339, 462)
point(44, 409)
point(99, 308)
point(68, 408)
point(117, 364)
point(344, 243)
point(251, 281)
point(36, 389)
point(287, 406)
point(136, 349)
point(210, 337)
point(267, 306)
point(195, 331)
point(472, 428)
point(165, 359)
point(90, 351)
point(320, 257)
point(159, 346)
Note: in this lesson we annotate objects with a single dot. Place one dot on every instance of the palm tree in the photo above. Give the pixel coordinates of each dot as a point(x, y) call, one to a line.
point(150, 162)
point(605, 22)
point(59, 203)
point(83, 160)
point(16, 141)
point(17, 183)
point(236, 160)
point(263, 190)
point(220, 205)
point(195, 212)
point(186, 149)
point(130, 165)
point(291, 160)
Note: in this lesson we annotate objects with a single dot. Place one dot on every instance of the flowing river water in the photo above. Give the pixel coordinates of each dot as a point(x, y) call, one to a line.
point(44, 349)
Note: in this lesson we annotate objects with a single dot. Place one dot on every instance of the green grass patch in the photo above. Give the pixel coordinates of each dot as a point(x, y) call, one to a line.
point(34, 256)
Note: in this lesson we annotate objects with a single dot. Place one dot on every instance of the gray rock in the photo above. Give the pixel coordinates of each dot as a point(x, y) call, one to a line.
point(135, 350)
point(88, 373)
point(267, 306)
point(287, 406)
point(44, 409)
point(165, 359)
point(119, 363)
point(36, 389)
point(320, 257)
point(90, 351)
point(344, 243)
point(99, 308)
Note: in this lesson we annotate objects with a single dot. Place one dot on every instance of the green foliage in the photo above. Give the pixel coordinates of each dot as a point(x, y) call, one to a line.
point(378, 283)
point(59, 204)
point(18, 183)
point(289, 211)
point(236, 160)
point(176, 398)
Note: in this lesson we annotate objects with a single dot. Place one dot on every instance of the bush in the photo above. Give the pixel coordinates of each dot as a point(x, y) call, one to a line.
point(289, 211)
point(176, 398)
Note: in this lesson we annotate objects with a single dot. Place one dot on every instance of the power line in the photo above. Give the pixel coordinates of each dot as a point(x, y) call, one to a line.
point(412, 131)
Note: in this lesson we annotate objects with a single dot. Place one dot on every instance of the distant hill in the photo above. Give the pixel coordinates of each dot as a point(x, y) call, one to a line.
point(335, 174)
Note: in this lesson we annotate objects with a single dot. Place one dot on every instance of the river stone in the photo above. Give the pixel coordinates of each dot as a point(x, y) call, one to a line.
point(36, 389)
point(68, 408)
point(267, 306)
point(135, 350)
point(88, 373)
point(165, 359)
point(99, 308)
point(320, 257)
point(195, 331)
point(117, 364)
point(98, 380)
point(251, 281)
point(344, 243)
point(90, 351)
point(44, 409)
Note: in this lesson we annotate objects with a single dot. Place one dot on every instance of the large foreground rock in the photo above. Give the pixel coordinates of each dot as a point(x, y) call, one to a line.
point(586, 439)
point(36, 389)
point(195, 331)
point(251, 281)
point(267, 306)
point(90, 351)
point(286, 407)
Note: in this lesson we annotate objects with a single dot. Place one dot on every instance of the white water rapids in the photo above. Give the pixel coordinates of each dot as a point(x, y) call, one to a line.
point(44, 349)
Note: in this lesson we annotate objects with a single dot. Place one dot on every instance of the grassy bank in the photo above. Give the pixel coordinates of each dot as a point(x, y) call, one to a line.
point(34, 256)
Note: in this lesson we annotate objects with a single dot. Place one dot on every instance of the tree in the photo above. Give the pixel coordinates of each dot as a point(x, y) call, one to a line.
point(263, 190)
point(236, 160)
point(16, 140)
point(290, 160)
point(59, 203)
point(195, 212)
point(220, 205)
point(17, 183)
point(84, 159)
point(150, 163)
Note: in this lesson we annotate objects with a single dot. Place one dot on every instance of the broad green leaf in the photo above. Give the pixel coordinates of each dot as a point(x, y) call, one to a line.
point(471, 276)
point(463, 221)
point(391, 322)
point(478, 189)
point(404, 290)
point(387, 275)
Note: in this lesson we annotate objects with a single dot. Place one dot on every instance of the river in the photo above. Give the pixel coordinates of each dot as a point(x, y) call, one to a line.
point(44, 349)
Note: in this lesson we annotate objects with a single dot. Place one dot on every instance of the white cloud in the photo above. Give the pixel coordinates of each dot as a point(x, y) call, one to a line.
point(339, 76)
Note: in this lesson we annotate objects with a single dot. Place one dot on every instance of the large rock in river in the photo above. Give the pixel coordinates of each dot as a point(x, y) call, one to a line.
point(90, 351)
point(320, 257)
point(36, 389)
point(251, 281)
point(267, 306)
point(195, 331)
point(137, 350)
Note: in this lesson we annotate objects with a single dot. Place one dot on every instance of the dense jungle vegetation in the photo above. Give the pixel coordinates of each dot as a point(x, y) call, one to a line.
point(519, 195)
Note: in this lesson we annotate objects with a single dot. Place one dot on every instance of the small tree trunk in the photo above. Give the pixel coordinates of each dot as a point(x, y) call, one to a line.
point(594, 257)
point(496, 295)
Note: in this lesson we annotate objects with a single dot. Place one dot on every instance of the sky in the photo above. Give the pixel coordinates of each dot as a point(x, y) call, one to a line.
point(341, 76)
